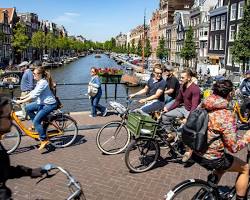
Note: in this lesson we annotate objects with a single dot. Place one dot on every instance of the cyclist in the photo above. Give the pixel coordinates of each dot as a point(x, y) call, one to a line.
point(245, 90)
point(154, 90)
point(223, 132)
point(172, 88)
point(10, 172)
point(44, 104)
point(187, 100)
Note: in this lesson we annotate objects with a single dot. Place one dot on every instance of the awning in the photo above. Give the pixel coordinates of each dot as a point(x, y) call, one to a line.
point(214, 57)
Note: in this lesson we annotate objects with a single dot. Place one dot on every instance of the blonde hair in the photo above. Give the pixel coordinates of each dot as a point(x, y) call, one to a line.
point(158, 66)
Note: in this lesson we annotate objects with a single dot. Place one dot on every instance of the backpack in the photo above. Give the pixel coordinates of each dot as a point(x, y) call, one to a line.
point(194, 132)
point(5, 115)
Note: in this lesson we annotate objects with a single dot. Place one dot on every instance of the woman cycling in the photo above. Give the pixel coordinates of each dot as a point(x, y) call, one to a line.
point(223, 132)
point(44, 104)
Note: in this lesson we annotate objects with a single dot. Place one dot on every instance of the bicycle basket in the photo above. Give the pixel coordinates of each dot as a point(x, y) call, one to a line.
point(117, 107)
point(141, 125)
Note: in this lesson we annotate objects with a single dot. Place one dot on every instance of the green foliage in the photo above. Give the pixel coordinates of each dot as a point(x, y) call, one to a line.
point(38, 40)
point(161, 51)
point(188, 51)
point(20, 40)
point(148, 49)
point(50, 41)
point(132, 49)
point(128, 48)
point(139, 48)
point(241, 46)
point(1, 36)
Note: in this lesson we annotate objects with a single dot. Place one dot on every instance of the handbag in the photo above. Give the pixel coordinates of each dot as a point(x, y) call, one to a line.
point(92, 91)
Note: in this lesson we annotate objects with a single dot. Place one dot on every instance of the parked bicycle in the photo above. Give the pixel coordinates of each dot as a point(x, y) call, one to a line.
point(74, 186)
point(114, 136)
point(197, 189)
point(62, 130)
point(143, 152)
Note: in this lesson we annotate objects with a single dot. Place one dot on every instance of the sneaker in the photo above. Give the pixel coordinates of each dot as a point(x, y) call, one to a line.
point(91, 116)
point(105, 112)
point(32, 128)
point(43, 144)
point(186, 156)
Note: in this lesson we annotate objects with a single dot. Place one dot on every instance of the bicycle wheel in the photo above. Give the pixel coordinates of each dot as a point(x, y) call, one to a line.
point(141, 155)
point(62, 131)
point(12, 139)
point(192, 189)
point(113, 138)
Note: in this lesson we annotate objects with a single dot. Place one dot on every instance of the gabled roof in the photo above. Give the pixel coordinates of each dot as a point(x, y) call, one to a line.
point(11, 12)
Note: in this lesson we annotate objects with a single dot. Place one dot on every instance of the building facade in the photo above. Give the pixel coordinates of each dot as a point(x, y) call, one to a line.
point(121, 39)
point(154, 32)
point(234, 16)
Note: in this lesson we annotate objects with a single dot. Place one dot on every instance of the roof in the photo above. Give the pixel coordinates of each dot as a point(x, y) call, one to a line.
point(10, 14)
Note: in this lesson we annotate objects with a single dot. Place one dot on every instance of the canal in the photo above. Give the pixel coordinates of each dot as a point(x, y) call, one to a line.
point(74, 97)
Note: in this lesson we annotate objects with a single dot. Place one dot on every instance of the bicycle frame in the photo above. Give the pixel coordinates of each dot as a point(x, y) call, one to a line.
point(30, 133)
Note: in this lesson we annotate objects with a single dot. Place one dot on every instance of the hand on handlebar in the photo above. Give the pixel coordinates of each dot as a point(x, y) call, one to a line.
point(37, 172)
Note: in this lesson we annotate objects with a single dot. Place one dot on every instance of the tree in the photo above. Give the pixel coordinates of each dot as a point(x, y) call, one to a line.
point(139, 48)
point(241, 46)
point(50, 42)
point(128, 49)
point(38, 41)
point(20, 40)
point(132, 50)
point(188, 51)
point(113, 43)
point(161, 51)
point(148, 49)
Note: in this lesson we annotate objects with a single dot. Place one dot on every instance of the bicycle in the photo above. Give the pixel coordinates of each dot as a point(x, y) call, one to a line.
point(143, 152)
point(114, 136)
point(61, 129)
point(197, 189)
point(74, 186)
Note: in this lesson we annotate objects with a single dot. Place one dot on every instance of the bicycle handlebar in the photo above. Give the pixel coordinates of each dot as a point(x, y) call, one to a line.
point(76, 191)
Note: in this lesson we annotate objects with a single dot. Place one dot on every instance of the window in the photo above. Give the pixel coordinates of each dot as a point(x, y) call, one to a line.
point(233, 11)
point(223, 22)
point(217, 42)
point(231, 32)
point(212, 24)
point(218, 23)
point(211, 47)
point(205, 33)
point(220, 3)
point(222, 42)
point(238, 29)
point(229, 56)
point(240, 9)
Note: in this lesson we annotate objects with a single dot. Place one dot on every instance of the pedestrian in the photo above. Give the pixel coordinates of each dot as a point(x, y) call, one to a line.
point(95, 94)
point(27, 84)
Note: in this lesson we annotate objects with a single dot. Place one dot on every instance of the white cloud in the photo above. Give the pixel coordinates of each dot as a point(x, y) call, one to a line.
point(72, 14)
point(66, 18)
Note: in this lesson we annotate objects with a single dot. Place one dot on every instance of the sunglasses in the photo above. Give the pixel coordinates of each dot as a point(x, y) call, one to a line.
point(158, 73)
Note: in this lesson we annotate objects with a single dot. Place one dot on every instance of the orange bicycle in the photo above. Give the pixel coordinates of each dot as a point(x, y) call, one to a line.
point(62, 130)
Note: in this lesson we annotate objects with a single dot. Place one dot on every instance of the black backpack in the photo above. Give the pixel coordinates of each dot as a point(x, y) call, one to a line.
point(194, 132)
point(5, 112)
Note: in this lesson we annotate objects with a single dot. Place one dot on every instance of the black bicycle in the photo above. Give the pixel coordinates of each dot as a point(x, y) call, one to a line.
point(143, 152)
point(197, 189)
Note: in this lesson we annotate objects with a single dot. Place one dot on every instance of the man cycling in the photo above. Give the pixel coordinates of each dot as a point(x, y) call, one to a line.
point(222, 130)
point(245, 90)
point(172, 88)
point(187, 100)
point(154, 90)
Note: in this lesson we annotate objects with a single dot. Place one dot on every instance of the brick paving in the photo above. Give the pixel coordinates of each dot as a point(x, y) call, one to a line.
point(102, 177)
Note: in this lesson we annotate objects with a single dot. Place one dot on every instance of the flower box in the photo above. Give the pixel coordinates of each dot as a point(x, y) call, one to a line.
point(110, 75)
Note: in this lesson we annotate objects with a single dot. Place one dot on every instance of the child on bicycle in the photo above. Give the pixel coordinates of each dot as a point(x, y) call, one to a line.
point(222, 125)
point(44, 104)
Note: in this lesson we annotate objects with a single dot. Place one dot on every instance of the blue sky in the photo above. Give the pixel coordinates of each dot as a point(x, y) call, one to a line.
point(97, 20)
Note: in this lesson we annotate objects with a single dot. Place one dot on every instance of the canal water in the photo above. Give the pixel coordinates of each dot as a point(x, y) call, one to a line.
point(74, 97)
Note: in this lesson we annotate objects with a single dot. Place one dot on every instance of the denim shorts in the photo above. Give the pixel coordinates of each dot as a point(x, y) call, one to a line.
point(223, 163)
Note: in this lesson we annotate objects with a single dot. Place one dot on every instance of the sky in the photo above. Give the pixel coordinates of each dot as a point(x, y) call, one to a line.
point(98, 20)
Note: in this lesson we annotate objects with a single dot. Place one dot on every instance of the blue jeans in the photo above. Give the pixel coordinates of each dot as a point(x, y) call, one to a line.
point(37, 113)
point(95, 106)
point(153, 106)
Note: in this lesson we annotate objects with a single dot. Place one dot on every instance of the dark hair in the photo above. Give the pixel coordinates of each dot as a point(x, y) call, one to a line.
point(46, 74)
point(188, 72)
point(95, 69)
point(223, 88)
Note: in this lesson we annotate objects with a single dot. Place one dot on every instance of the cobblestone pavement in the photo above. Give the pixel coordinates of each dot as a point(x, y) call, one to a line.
point(102, 177)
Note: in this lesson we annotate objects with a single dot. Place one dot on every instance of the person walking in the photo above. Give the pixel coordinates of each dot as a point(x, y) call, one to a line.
point(27, 84)
point(95, 93)
point(44, 104)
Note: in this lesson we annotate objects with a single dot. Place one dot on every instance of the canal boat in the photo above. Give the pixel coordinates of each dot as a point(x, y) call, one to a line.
point(97, 56)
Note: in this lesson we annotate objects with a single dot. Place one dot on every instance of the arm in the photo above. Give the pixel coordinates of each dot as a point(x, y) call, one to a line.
point(142, 91)
point(169, 91)
point(178, 101)
point(195, 99)
point(152, 97)
point(232, 141)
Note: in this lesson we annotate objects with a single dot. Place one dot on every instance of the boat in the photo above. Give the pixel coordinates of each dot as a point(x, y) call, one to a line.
point(97, 56)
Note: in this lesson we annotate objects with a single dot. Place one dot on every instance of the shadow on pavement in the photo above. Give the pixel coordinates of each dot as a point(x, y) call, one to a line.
point(24, 149)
